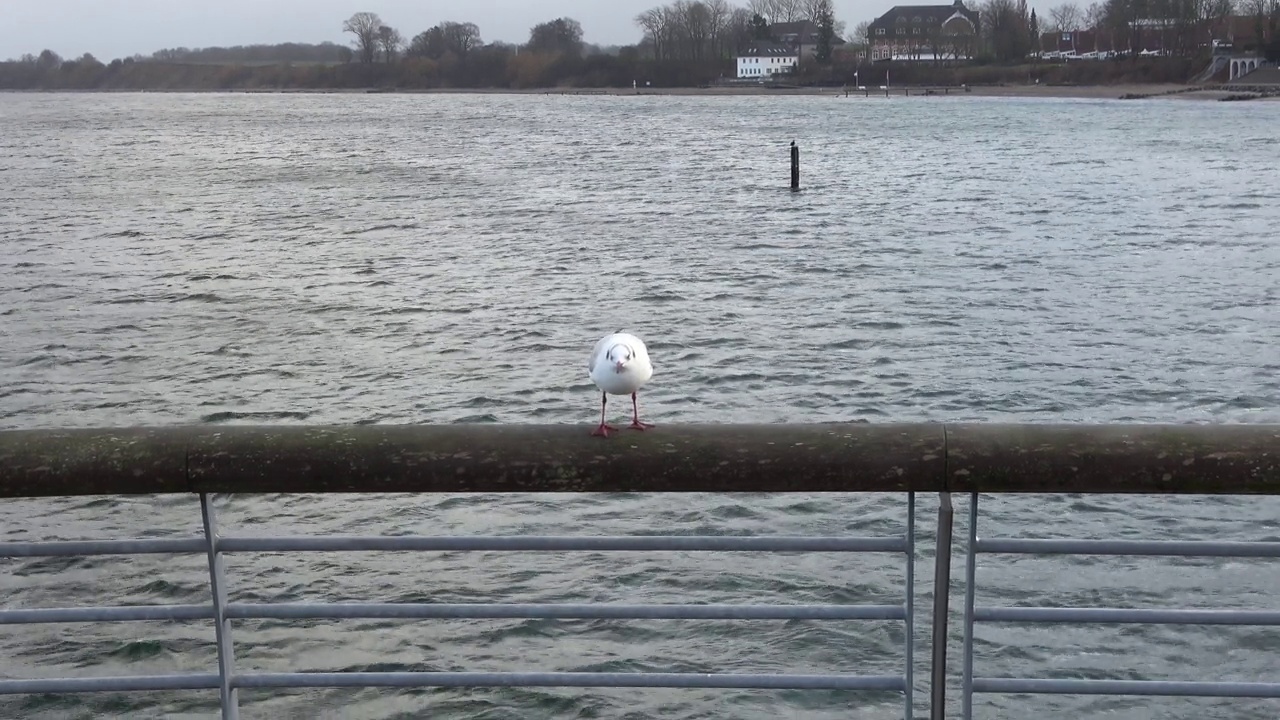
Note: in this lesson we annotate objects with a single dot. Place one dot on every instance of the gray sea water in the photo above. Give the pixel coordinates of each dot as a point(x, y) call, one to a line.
point(173, 258)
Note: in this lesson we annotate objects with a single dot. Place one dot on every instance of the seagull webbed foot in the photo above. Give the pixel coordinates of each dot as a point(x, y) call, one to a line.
point(603, 430)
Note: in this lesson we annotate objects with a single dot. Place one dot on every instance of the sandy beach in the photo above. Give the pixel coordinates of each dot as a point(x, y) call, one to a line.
point(1100, 92)
point(1125, 91)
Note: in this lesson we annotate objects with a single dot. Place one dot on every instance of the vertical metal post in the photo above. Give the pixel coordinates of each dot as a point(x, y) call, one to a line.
point(941, 606)
point(911, 606)
point(795, 166)
point(970, 574)
point(229, 696)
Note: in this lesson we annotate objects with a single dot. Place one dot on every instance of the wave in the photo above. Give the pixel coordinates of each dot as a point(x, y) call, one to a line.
point(232, 415)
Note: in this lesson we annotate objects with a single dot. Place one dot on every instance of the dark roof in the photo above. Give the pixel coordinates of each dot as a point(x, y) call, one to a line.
point(801, 31)
point(930, 17)
point(800, 27)
point(768, 48)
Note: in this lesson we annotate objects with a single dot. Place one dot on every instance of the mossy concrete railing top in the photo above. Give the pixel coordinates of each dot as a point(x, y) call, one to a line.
point(853, 457)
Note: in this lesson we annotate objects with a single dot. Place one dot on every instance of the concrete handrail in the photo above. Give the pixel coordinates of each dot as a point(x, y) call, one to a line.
point(837, 457)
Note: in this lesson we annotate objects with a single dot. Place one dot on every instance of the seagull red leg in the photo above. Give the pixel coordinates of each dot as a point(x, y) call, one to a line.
point(604, 428)
point(635, 416)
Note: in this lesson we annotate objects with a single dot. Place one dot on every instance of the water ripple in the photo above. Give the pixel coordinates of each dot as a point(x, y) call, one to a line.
point(230, 259)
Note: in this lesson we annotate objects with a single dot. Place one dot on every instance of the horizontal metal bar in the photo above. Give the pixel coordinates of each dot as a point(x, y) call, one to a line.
point(106, 614)
point(566, 611)
point(65, 548)
point(197, 681)
point(638, 543)
point(1171, 688)
point(1179, 548)
point(1153, 616)
point(891, 683)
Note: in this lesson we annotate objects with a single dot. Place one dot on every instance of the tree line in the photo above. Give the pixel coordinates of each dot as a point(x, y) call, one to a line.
point(683, 43)
point(698, 30)
point(686, 43)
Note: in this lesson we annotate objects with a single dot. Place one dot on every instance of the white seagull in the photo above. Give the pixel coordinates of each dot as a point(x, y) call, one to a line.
point(619, 364)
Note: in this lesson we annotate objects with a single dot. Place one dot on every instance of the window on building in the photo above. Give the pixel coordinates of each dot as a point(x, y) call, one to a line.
point(879, 31)
point(902, 31)
point(915, 31)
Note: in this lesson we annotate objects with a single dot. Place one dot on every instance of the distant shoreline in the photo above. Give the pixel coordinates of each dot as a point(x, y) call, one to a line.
point(1099, 92)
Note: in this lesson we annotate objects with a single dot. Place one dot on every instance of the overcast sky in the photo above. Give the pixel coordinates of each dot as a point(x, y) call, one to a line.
point(119, 28)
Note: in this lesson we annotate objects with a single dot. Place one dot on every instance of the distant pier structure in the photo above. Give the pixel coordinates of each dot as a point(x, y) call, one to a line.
point(1243, 65)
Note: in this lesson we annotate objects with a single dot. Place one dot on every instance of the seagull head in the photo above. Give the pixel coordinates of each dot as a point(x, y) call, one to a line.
point(620, 356)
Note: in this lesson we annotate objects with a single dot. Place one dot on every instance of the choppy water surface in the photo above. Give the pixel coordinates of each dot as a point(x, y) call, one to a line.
point(171, 259)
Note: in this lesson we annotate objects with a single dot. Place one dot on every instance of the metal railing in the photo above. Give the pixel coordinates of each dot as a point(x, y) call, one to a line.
point(769, 458)
point(1094, 615)
point(228, 680)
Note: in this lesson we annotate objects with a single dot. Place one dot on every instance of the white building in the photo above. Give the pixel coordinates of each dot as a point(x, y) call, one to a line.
point(764, 58)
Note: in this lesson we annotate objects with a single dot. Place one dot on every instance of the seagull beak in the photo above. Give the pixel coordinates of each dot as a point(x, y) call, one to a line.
point(619, 366)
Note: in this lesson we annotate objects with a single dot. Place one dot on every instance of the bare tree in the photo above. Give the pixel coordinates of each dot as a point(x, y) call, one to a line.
point(49, 60)
point(1266, 25)
point(1066, 17)
point(693, 29)
point(364, 25)
point(389, 42)
point(1093, 19)
point(718, 12)
point(447, 37)
point(738, 28)
point(1120, 19)
point(562, 35)
point(1215, 9)
point(1004, 30)
point(673, 32)
point(428, 43)
point(653, 22)
point(767, 9)
point(460, 38)
point(792, 10)
point(1219, 8)
point(779, 11)
point(696, 23)
point(1094, 15)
